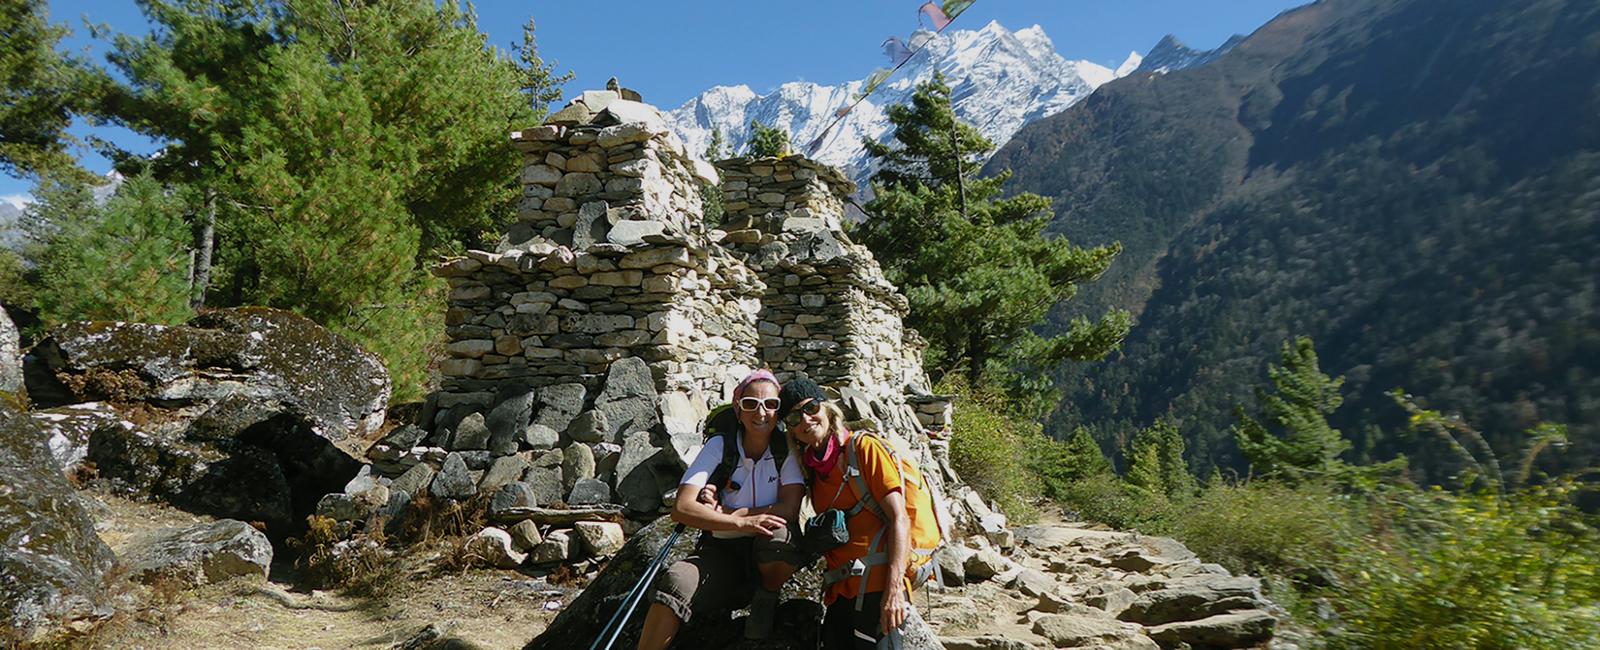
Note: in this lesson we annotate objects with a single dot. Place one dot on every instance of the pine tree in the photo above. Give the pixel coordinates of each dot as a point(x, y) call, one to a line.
point(1293, 440)
point(711, 193)
point(1086, 457)
point(40, 91)
point(767, 141)
point(125, 261)
point(540, 82)
point(337, 147)
point(976, 267)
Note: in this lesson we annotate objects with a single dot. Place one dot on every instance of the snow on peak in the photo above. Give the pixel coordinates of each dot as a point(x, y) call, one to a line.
point(999, 80)
point(1129, 64)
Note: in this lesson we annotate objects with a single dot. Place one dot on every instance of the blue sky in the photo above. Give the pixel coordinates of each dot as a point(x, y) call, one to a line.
point(670, 51)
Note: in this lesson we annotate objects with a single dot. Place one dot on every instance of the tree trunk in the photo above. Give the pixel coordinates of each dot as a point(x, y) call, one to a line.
point(205, 241)
point(961, 182)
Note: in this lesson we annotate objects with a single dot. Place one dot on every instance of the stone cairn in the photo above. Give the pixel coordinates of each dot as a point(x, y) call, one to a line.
point(587, 350)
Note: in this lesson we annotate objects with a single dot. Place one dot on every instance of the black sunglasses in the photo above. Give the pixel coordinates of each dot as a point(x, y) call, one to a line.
point(808, 408)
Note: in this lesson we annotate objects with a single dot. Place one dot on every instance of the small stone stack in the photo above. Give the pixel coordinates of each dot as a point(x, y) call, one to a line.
point(610, 260)
point(793, 184)
point(828, 311)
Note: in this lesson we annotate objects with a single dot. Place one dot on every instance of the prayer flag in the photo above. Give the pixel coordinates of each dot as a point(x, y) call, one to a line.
point(936, 15)
point(953, 8)
point(896, 50)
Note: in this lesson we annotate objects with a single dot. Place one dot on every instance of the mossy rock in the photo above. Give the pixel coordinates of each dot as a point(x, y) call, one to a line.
point(53, 566)
point(257, 352)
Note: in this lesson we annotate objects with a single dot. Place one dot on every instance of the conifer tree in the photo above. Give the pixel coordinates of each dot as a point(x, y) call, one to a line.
point(124, 261)
point(1293, 440)
point(1156, 461)
point(40, 91)
point(711, 193)
point(767, 141)
point(976, 267)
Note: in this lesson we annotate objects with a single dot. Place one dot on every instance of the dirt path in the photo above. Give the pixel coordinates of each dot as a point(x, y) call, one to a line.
point(492, 609)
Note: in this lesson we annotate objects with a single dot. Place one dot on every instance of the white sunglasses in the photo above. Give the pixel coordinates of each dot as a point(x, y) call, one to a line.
point(753, 403)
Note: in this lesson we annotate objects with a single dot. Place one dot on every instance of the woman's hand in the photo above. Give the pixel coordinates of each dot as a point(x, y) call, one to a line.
point(762, 524)
point(893, 613)
point(708, 496)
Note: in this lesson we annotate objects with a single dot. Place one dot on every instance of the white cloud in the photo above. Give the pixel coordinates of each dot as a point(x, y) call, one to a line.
point(19, 201)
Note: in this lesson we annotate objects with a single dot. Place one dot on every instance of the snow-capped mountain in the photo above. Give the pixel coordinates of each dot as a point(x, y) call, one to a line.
point(1171, 54)
point(10, 229)
point(999, 79)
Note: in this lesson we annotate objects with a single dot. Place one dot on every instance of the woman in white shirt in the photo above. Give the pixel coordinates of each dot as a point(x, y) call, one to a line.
point(752, 519)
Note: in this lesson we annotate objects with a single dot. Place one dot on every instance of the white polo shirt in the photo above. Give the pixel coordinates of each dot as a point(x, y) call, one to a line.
point(758, 479)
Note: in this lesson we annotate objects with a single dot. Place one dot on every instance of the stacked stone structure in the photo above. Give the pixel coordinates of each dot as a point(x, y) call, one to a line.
point(586, 351)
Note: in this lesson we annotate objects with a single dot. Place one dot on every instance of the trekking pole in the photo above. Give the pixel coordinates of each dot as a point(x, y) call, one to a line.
point(629, 602)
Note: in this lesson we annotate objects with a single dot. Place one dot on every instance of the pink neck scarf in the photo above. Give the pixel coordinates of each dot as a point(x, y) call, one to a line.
point(822, 464)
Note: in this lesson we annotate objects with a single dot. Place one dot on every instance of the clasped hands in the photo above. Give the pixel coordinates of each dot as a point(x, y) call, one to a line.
point(750, 523)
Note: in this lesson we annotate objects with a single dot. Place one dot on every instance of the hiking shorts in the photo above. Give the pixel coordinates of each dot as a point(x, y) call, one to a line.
point(721, 574)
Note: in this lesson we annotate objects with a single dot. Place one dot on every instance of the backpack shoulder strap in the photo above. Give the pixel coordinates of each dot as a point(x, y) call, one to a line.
point(728, 461)
point(858, 483)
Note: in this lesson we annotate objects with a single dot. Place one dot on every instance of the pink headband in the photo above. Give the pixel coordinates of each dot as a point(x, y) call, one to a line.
point(759, 375)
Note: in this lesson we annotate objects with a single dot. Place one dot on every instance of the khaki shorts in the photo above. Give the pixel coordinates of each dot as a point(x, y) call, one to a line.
point(721, 574)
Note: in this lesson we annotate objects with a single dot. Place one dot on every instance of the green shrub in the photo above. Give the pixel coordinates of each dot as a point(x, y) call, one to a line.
point(1478, 571)
point(988, 448)
point(1109, 500)
point(1268, 527)
point(1058, 465)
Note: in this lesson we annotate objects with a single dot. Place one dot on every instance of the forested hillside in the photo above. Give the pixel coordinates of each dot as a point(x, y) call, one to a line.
point(1413, 184)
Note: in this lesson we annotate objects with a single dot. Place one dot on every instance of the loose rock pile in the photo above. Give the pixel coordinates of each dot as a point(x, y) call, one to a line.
point(1065, 586)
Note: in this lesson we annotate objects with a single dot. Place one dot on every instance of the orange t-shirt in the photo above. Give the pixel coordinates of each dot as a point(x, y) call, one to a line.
point(882, 476)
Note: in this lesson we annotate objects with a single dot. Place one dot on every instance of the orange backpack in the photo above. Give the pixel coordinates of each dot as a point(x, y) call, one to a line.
point(928, 518)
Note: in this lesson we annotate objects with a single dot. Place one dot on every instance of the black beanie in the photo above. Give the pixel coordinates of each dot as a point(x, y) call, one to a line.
point(795, 391)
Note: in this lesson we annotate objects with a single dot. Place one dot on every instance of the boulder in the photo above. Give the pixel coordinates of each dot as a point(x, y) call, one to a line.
point(1075, 631)
point(628, 400)
point(471, 434)
point(70, 428)
point(249, 413)
point(10, 358)
point(454, 480)
point(1194, 598)
point(509, 419)
point(525, 536)
point(53, 566)
point(404, 437)
point(505, 469)
point(266, 355)
point(635, 478)
point(492, 547)
point(558, 546)
point(577, 463)
point(199, 554)
point(540, 437)
point(588, 492)
point(558, 404)
point(546, 483)
point(512, 498)
point(986, 564)
point(414, 480)
point(598, 538)
point(795, 627)
point(1246, 629)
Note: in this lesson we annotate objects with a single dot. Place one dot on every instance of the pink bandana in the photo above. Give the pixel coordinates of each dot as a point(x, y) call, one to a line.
point(830, 454)
point(744, 384)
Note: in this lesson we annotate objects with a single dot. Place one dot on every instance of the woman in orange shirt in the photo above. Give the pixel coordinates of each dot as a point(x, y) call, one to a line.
point(856, 619)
